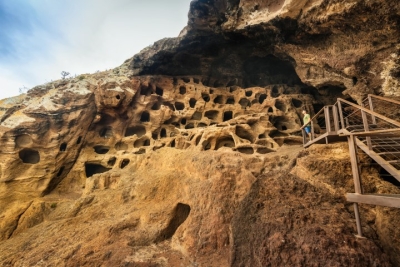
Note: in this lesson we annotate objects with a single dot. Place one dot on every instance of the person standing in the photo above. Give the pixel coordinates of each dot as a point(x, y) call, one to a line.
point(306, 121)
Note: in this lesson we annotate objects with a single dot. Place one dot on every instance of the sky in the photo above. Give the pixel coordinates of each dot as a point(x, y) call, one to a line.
point(41, 38)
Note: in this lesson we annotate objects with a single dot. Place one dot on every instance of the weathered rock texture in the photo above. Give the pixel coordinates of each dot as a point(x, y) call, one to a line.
point(189, 153)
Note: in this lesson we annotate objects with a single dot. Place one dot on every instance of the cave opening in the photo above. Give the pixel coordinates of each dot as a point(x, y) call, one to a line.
point(225, 142)
point(63, 147)
point(101, 149)
point(106, 132)
point(244, 102)
point(244, 134)
point(211, 114)
point(206, 97)
point(219, 99)
point(297, 103)
point(92, 169)
point(30, 156)
point(121, 146)
point(182, 90)
point(192, 102)
point(230, 101)
point(124, 163)
point(159, 91)
point(111, 161)
point(197, 116)
point(262, 98)
point(228, 115)
point(146, 90)
point(163, 133)
point(179, 106)
point(138, 130)
point(180, 214)
point(246, 150)
point(145, 117)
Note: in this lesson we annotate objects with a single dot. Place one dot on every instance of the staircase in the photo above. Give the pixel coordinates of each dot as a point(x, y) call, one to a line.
point(373, 128)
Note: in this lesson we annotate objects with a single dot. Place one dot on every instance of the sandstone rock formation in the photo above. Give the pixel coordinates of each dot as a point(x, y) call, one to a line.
point(189, 154)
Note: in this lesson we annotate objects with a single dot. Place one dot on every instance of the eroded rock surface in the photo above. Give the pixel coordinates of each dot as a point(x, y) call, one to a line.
point(189, 154)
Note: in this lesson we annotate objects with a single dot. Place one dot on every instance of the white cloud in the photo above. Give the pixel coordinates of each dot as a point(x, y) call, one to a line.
point(83, 37)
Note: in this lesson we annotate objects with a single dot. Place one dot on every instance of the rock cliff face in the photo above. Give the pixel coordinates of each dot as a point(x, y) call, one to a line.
point(189, 154)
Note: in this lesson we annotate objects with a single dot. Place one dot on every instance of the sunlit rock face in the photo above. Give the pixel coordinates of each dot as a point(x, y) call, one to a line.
point(189, 154)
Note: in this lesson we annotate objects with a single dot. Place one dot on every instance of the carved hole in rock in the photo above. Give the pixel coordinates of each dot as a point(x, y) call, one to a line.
point(106, 132)
point(355, 80)
point(140, 151)
point(63, 147)
point(121, 146)
point(174, 81)
point(228, 115)
point(138, 130)
point(23, 140)
point(192, 102)
point(154, 135)
point(60, 171)
point(206, 145)
point(254, 101)
point(106, 119)
point(124, 163)
point(196, 80)
point(198, 138)
point(172, 107)
point(180, 215)
point(179, 106)
point(262, 98)
point(79, 140)
point(283, 123)
point(163, 133)
point(159, 91)
point(249, 93)
point(280, 105)
point(183, 121)
point(261, 136)
point(244, 102)
point(118, 97)
point(246, 150)
point(182, 90)
point(92, 169)
point(141, 142)
point(197, 116)
point(270, 110)
point(146, 90)
point(211, 91)
point(244, 134)
point(189, 126)
point(211, 114)
point(206, 97)
point(101, 149)
point(263, 150)
point(297, 103)
point(275, 92)
point(145, 117)
point(186, 80)
point(29, 156)
point(225, 142)
point(219, 99)
point(173, 143)
point(230, 101)
point(233, 88)
point(202, 125)
point(111, 161)
point(156, 106)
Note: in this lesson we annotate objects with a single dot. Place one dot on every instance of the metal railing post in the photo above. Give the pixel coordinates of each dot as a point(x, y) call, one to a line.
point(366, 128)
point(327, 119)
point(335, 118)
point(371, 107)
point(341, 114)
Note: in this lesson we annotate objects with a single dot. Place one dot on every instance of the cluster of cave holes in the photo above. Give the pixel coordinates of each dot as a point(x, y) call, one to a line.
point(148, 90)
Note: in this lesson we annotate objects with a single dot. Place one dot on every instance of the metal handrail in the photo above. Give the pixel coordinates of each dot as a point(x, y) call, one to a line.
point(316, 116)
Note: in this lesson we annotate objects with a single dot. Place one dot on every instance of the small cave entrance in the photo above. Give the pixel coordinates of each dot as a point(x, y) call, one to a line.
point(159, 91)
point(219, 99)
point(262, 98)
point(106, 132)
point(197, 116)
point(249, 93)
point(124, 163)
point(182, 90)
point(63, 147)
point(189, 126)
point(246, 150)
point(138, 130)
point(111, 161)
point(275, 92)
point(121, 146)
point(179, 106)
point(211, 114)
point(280, 105)
point(244, 102)
point(145, 117)
point(225, 142)
point(206, 97)
point(79, 140)
point(270, 110)
point(92, 169)
point(192, 102)
point(29, 156)
point(141, 142)
point(228, 115)
point(183, 121)
point(146, 90)
point(230, 101)
point(244, 134)
point(101, 149)
point(163, 133)
point(297, 103)
point(173, 143)
point(156, 106)
point(180, 214)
